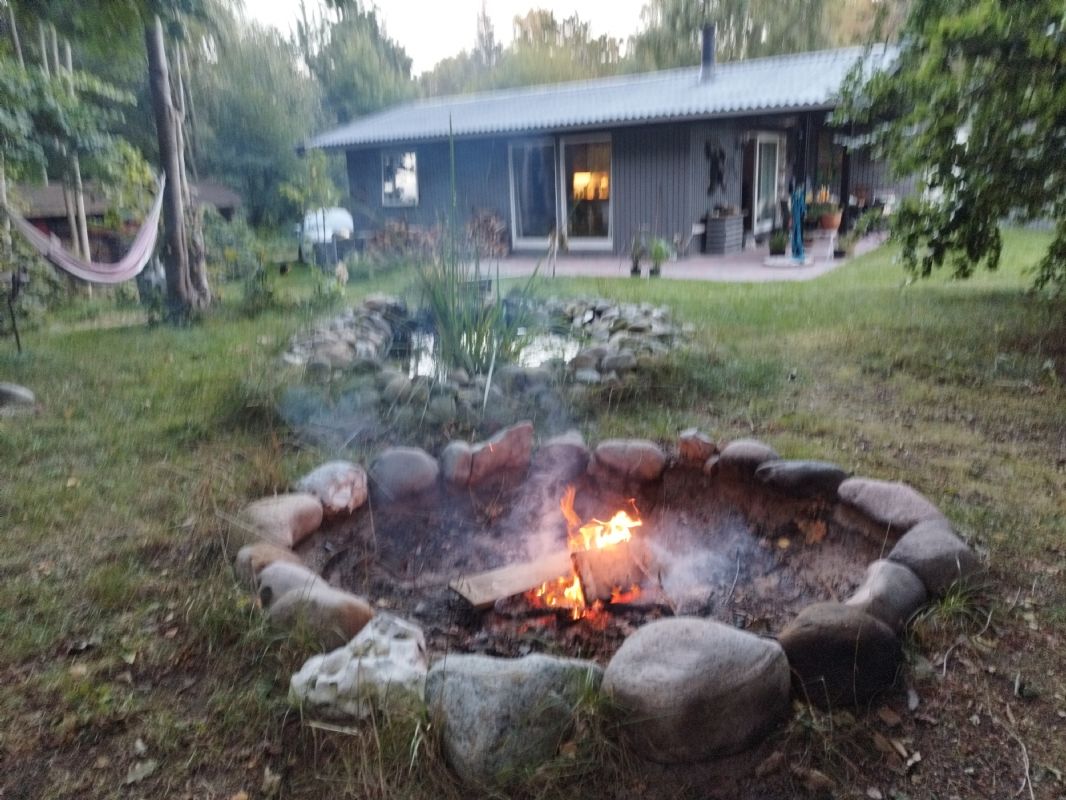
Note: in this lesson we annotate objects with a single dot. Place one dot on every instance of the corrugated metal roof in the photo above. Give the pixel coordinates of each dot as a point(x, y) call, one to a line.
point(777, 84)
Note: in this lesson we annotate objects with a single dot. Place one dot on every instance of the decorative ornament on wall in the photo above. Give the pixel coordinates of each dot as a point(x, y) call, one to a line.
point(716, 160)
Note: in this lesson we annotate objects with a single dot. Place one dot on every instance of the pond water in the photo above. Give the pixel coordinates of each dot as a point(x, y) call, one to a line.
point(538, 348)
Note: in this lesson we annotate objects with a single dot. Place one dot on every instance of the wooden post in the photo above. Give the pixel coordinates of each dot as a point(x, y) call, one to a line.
point(845, 187)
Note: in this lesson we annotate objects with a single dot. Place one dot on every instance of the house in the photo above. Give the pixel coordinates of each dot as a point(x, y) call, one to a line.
point(611, 159)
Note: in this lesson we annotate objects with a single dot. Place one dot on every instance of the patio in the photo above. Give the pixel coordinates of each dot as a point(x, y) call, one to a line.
point(749, 266)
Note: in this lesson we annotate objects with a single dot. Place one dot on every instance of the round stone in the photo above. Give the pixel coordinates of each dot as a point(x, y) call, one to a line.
point(690, 689)
point(740, 459)
point(840, 655)
point(499, 718)
point(404, 471)
point(892, 505)
point(936, 555)
point(802, 478)
point(286, 519)
point(890, 592)
point(339, 485)
point(635, 459)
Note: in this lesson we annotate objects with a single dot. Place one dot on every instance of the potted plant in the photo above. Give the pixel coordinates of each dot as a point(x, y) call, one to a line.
point(828, 215)
point(778, 242)
point(845, 245)
point(658, 252)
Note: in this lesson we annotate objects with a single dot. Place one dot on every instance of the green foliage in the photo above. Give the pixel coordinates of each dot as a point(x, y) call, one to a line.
point(745, 29)
point(358, 68)
point(975, 110)
point(545, 50)
point(778, 241)
point(260, 294)
point(255, 106)
point(232, 247)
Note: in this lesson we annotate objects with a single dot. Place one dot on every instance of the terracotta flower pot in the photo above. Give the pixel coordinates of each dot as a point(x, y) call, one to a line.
point(831, 222)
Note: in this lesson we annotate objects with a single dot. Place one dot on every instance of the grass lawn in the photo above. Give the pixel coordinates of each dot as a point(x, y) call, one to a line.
point(126, 642)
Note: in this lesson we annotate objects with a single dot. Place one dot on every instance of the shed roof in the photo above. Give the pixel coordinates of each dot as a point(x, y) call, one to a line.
point(800, 82)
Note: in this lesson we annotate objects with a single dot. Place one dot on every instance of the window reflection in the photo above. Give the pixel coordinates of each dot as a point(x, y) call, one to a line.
point(399, 179)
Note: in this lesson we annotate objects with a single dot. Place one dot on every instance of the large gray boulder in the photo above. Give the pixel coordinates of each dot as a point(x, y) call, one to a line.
point(890, 592)
point(690, 689)
point(382, 669)
point(739, 460)
point(401, 472)
point(840, 655)
point(894, 506)
point(936, 555)
point(285, 520)
point(340, 486)
point(500, 719)
point(630, 459)
point(802, 478)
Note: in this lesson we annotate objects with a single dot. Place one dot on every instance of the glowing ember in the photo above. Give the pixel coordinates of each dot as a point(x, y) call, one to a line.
point(567, 591)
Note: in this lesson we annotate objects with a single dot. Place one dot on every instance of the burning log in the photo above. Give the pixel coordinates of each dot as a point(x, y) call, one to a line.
point(607, 572)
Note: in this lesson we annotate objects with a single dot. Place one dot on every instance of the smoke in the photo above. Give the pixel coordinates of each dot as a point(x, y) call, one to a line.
point(697, 568)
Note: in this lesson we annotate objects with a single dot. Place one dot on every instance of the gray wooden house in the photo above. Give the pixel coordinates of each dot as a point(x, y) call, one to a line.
point(607, 160)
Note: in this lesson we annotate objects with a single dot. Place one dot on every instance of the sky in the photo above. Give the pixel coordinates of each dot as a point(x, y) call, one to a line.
point(430, 30)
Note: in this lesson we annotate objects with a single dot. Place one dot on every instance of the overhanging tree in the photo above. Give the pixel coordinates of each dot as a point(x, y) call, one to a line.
point(976, 111)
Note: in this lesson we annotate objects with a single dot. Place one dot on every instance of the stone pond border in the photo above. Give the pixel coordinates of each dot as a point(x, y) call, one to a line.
point(685, 689)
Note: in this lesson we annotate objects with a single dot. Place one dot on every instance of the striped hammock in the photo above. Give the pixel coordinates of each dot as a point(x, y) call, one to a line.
point(140, 252)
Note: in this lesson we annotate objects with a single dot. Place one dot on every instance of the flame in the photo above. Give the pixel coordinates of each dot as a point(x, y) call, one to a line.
point(566, 591)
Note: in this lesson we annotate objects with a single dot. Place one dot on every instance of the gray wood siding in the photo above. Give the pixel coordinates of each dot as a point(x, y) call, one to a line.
point(662, 177)
point(481, 183)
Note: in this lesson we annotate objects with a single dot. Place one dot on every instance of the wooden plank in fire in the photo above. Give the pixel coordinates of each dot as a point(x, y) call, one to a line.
point(485, 588)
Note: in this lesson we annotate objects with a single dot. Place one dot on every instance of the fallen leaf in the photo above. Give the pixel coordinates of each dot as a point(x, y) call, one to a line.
point(912, 700)
point(139, 747)
point(171, 633)
point(141, 770)
point(913, 760)
point(271, 782)
point(241, 795)
point(882, 744)
point(102, 762)
point(771, 764)
point(813, 780)
point(129, 658)
point(72, 482)
point(874, 794)
point(783, 543)
point(889, 717)
point(899, 747)
point(79, 670)
point(568, 749)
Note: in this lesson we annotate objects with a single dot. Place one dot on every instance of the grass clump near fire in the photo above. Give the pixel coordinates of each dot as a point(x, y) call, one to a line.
point(126, 639)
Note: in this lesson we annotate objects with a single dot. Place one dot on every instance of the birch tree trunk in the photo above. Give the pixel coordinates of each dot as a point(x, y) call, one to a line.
point(79, 191)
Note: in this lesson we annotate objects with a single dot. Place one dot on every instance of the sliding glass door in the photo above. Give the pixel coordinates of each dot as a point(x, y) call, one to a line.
point(533, 193)
point(585, 168)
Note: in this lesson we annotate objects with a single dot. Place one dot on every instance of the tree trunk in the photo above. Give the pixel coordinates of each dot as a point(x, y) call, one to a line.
point(182, 295)
point(15, 34)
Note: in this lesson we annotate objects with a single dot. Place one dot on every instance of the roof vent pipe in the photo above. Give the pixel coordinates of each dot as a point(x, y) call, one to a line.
point(707, 61)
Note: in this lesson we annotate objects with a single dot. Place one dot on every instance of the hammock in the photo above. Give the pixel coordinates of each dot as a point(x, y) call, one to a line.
point(129, 267)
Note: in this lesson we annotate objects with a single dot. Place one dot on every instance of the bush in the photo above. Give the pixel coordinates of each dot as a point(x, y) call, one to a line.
point(232, 247)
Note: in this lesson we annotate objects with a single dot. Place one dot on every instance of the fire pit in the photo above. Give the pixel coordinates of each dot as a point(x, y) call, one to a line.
point(622, 556)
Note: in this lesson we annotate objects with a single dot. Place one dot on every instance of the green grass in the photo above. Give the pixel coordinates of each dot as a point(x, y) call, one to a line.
point(112, 502)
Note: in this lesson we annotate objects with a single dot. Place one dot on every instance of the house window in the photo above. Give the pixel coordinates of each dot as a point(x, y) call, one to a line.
point(399, 178)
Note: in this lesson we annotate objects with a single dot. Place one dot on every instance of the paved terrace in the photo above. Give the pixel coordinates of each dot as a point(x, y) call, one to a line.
point(746, 267)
